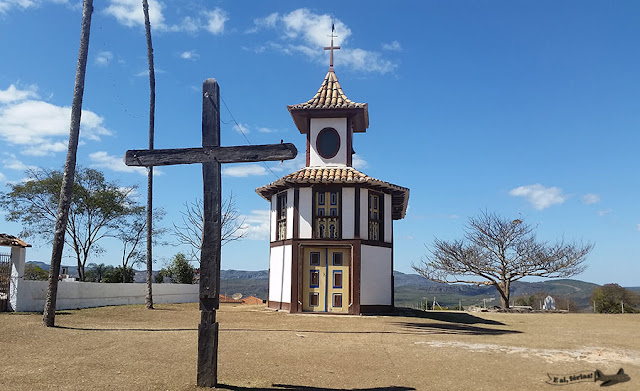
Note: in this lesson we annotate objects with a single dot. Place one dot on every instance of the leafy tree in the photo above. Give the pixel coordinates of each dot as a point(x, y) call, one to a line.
point(190, 232)
point(35, 272)
point(159, 279)
point(497, 251)
point(119, 274)
point(179, 270)
point(608, 299)
point(96, 272)
point(97, 208)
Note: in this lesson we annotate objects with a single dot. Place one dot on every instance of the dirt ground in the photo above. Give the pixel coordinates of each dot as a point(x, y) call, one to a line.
point(130, 348)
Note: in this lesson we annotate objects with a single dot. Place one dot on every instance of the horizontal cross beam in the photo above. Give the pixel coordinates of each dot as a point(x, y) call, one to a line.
point(236, 154)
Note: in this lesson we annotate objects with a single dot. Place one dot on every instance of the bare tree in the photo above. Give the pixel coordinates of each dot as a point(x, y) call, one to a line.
point(131, 231)
point(190, 232)
point(152, 109)
point(497, 251)
point(69, 168)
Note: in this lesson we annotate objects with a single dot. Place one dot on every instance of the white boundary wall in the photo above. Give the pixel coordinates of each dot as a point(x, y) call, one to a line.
point(71, 295)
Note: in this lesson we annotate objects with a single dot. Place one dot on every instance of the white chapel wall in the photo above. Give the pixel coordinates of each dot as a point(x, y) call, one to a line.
point(272, 217)
point(289, 213)
point(348, 212)
point(364, 214)
point(375, 276)
point(305, 210)
point(340, 125)
point(280, 274)
point(388, 221)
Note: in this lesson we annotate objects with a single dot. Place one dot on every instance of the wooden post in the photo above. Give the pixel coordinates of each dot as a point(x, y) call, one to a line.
point(211, 232)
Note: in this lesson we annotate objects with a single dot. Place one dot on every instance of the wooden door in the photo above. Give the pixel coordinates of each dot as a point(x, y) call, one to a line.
point(325, 279)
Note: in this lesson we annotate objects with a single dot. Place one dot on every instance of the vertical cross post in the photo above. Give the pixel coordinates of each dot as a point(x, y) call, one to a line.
point(211, 235)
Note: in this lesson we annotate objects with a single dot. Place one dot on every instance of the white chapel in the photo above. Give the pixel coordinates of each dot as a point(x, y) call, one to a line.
point(331, 245)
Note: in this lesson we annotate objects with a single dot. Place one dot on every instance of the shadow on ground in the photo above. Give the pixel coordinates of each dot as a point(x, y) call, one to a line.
point(290, 387)
point(452, 328)
point(120, 329)
point(445, 316)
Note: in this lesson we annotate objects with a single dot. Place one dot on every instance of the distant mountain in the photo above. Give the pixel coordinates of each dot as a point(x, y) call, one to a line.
point(244, 275)
point(71, 270)
point(411, 289)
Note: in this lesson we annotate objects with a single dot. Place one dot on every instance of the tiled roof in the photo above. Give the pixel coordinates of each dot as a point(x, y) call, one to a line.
point(330, 100)
point(10, 240)
point(329, 96)
point(339, 175)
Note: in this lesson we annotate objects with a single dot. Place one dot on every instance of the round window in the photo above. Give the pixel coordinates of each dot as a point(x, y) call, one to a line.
point(328, 143)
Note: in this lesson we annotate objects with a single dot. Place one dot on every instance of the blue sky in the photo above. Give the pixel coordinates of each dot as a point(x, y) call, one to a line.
point(526, 108)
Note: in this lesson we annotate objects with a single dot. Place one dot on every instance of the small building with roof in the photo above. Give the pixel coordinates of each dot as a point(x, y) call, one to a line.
point(331, 244)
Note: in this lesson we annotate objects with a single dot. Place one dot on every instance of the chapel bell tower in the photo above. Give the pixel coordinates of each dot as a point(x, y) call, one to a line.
point(331, 245)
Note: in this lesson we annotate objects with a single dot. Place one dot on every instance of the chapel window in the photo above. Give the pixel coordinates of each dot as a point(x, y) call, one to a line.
point(282, 216)
point(375, 216)
point(326, 215)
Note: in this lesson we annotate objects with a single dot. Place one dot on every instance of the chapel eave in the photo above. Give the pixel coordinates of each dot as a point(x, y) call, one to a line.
point(330, 102)
point(308, 176)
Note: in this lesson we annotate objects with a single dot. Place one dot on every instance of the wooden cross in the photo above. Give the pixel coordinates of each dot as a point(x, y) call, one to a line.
point(211, 155)
point(331, 48)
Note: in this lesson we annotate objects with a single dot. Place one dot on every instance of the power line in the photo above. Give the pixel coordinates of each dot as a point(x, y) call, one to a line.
point(243, 133)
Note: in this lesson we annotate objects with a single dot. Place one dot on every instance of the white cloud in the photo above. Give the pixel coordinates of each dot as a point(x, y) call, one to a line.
point(268, 21)
point(604, 212)
point(190, 55)
point(145, 73)
point(358, 162)
point(12, 163)
point(306, 33)
point(102, 159)
point(241, 128)
point(104, 58)
point(256, 225)
point(392, 46)
point(266, 130)
point(589, 199)
point(6, 5)
point(539, 196)
point(12, 94)
point(291, 165)
point(216, 20)
point(40, 128)
point(244, 170)
point(2, 177)
point(130, 14)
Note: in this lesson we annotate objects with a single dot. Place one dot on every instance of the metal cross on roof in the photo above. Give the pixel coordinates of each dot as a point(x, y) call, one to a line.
point(331, 48)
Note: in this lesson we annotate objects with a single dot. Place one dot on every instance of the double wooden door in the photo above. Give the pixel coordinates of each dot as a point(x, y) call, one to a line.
point(325, 279)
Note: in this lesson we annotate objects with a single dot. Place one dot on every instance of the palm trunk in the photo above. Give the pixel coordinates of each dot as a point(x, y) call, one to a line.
point(152, 109)
point(66, 190)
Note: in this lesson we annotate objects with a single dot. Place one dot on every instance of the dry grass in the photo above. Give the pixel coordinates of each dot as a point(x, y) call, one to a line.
point(130, 348)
